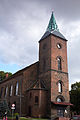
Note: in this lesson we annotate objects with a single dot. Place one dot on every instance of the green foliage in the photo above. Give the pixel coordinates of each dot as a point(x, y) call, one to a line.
point(4, 108)
point(24, 118)
point(3, 75)
point(75, 97)
point(10, 117)
point(16, 114)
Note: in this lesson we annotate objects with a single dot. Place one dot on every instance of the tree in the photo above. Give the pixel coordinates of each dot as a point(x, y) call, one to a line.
point(4, 108)
point(75, 97)
point(3, 75)
point(1, 113)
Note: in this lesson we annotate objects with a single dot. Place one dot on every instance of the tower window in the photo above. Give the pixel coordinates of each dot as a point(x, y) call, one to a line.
point(36, 99)
point(59, 46)
point(59, 64)
point(60, 86)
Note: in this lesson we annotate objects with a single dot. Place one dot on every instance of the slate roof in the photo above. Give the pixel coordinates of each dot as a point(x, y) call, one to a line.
point(38, 84)
point(55, 33)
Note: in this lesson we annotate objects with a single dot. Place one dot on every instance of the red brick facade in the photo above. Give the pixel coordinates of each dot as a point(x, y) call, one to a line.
point(43, 83)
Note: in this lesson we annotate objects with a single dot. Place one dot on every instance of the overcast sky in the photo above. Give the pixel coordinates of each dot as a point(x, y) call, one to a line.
point(22, 24)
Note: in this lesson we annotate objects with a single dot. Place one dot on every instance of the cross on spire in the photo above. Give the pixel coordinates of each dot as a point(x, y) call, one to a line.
point(52, 26)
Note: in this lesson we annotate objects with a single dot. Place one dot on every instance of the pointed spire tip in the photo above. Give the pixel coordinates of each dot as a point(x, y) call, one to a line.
point(52, 26)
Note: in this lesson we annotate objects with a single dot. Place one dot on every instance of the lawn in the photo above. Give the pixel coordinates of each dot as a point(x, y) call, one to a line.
point(23, 118)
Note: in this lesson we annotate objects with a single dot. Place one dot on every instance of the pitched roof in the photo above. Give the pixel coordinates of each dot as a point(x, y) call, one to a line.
point(19, 72)
point(38, 84)
point(55, 33)
point(52, 29)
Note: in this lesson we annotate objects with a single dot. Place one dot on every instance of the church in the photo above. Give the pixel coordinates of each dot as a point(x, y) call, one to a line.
point(42, 89)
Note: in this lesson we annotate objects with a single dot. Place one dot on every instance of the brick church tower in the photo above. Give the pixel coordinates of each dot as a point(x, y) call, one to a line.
point(53, 69)
point(41, 89)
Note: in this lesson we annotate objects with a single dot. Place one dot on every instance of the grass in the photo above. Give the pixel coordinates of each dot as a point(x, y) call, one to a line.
point(11, 117)
point(24, 118)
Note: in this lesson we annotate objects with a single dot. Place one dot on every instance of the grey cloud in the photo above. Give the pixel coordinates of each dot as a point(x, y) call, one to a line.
point(23, 22)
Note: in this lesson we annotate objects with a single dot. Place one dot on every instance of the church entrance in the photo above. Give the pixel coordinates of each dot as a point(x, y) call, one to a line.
point(60, 111)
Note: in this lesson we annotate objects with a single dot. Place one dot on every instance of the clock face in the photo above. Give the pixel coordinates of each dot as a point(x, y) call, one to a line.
point(59, 46)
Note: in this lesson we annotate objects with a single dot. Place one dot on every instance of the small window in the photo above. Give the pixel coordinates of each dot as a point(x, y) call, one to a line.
point(59, 46)
point(36, 99)
point(59, 86)
point(59, 63)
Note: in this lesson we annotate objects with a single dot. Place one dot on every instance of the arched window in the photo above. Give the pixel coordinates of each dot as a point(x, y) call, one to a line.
point(11, 89)
point(6, 91)
point(59, 63)
point(60, 86)
point(59, 100)
point(17, 86)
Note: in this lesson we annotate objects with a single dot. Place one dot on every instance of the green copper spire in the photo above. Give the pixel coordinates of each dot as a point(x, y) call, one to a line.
point(52, 26)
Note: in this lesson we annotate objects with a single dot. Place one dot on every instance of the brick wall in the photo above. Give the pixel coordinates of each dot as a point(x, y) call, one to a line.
point(37, 109)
